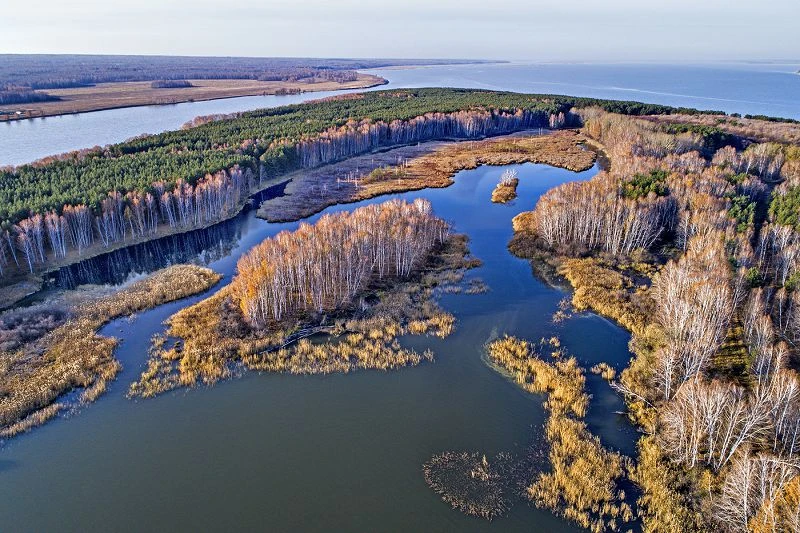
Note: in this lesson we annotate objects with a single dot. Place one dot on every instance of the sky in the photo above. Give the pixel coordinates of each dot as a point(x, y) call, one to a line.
point(536, 30)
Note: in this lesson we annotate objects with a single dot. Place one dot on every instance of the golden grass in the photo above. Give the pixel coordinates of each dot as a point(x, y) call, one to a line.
point(605, 290)
point(37, 418)
point(663, 505)
point(582, 485)
point(429, 165)
point(504, 192)
point(562, 381)
point(605, 370)
point(73, 355)
point(582, 482)
point(213, 338)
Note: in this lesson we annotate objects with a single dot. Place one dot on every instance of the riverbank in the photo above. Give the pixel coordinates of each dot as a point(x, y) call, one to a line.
point(141, 93)
point(432, 164)
point(420, 166)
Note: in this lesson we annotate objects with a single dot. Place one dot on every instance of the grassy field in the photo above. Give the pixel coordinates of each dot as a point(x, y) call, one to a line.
point(139, 93)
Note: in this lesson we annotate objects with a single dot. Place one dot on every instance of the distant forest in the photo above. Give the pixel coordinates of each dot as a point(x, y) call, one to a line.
point(37, 72)
point(23, 76)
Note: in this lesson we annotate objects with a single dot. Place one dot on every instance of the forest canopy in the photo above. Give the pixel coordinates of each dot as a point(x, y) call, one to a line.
point(86, 177)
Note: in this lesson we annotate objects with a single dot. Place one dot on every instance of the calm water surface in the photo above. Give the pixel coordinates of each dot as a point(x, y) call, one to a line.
point(770, 89)
point(318, 453)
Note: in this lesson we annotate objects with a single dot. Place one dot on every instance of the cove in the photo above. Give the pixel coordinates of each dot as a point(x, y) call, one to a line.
point(316, 453)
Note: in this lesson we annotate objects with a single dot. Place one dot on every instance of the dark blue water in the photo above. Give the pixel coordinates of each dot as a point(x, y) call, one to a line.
point(769, 89)
point(318, 453)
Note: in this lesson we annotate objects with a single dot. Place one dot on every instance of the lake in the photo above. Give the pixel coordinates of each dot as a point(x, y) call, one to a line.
point(318, 453)
point(769, 89)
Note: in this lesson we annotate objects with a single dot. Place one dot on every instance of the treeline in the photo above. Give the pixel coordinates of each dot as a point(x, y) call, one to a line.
point(272, 142)
point(713, 379)
point(23, 95)
point(116, 217)
point(87, 176)
point(322, 267)
point(170, 84)
point(35, 240)
point(63, 71)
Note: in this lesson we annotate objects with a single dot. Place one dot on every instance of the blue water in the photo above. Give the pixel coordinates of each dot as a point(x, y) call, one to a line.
point(768, 89)
point(319, 453)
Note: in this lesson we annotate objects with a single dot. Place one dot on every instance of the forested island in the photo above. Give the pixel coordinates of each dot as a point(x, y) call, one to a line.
point(688, 239)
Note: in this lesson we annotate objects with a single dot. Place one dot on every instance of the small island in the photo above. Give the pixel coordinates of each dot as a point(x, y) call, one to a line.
point(354, 281)
point(506, 189)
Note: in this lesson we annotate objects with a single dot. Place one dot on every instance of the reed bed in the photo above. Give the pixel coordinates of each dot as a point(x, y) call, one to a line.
point(601, 287)
point(582, 484)
point(72, 355)
point(605, 370)
point(562, 380)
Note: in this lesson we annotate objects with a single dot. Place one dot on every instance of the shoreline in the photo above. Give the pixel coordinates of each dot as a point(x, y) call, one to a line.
point(10, 300)
point(365, 81)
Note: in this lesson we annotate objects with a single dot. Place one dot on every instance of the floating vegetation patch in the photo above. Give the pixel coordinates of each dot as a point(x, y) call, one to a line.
point(469, 482)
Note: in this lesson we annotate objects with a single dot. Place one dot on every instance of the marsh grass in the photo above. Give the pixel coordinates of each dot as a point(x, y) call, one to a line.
point(562, 380)
point(206, 342)
point(72, 355)
point(604, 370)
point(431, 165)
point(609, 291)
point(583, 482)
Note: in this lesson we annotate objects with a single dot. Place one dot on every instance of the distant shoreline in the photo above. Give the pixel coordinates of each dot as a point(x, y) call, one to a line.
point(120, 95)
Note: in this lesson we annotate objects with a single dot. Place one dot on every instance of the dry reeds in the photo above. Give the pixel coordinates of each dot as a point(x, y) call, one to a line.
point(73, 356)
point(506, 189)
point(214, 337)
point(582, 483)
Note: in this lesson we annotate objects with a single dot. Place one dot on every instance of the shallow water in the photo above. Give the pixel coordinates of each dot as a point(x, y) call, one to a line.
point(769, 89)
point(319, 453)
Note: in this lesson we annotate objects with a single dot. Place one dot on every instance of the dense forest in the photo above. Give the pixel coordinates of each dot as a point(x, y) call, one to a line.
point(12, 94)
point(299, 273)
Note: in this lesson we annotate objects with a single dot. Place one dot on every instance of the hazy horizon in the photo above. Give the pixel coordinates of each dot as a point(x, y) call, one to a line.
point(616, 31)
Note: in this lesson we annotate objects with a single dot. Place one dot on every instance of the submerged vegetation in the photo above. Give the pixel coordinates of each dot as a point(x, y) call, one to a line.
point(471, 483)
point(356, 280)
point(53, 348)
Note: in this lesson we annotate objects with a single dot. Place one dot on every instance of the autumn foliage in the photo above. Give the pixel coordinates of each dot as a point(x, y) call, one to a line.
point(322, 267)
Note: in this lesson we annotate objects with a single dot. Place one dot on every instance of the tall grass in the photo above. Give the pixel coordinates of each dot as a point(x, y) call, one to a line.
point(583, 483)
point(73, 355)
